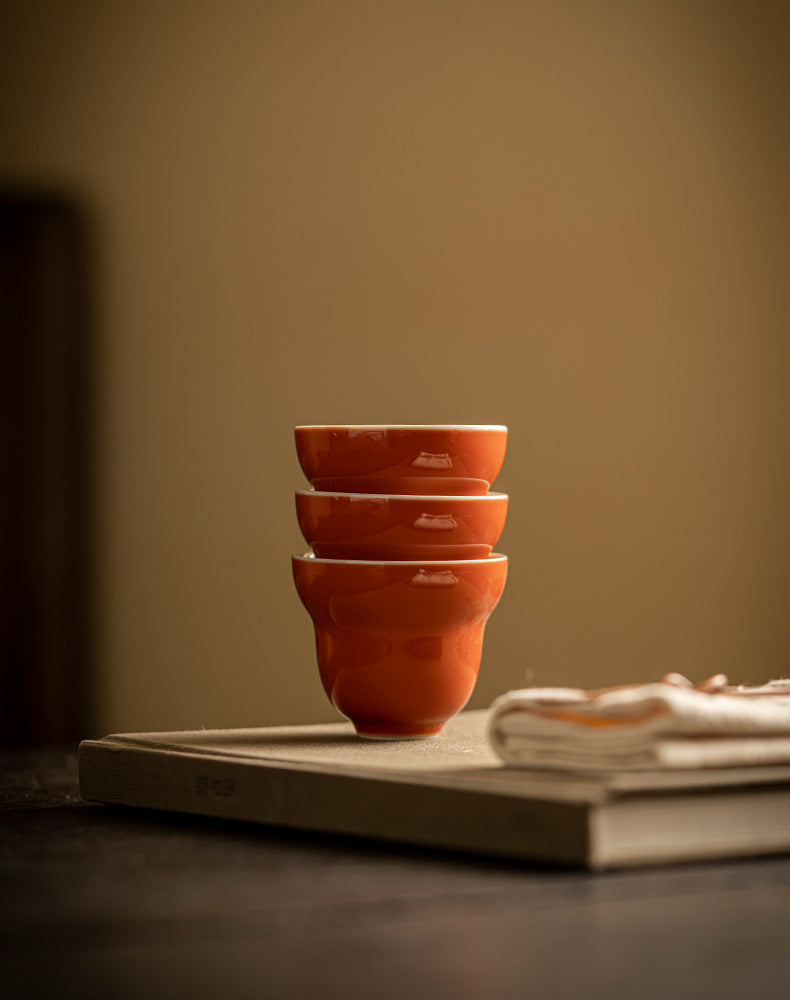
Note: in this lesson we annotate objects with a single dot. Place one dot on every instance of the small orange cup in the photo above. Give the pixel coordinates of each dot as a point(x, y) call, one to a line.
point(438, 459)
point(375, 526)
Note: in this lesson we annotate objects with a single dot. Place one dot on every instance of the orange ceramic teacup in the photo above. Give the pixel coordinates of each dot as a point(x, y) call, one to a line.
point(442, 459)
point(399, 642)
point(375, 526)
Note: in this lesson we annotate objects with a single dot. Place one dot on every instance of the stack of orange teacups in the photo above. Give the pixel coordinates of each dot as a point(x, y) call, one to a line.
point(401, 578)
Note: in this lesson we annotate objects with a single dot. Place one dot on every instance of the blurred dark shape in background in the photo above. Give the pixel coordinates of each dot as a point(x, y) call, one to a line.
point(45, 537)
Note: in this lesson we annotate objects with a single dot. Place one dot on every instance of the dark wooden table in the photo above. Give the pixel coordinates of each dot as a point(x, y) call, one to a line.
point(98, 901)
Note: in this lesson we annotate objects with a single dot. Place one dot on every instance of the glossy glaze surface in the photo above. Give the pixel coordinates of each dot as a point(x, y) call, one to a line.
point(401, 459)
point(399, 643)
point(367, 526)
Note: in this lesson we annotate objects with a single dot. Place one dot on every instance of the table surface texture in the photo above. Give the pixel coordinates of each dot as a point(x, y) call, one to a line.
point(107, 902)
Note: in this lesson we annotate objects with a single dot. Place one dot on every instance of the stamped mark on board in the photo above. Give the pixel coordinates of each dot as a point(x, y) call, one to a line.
point(215, 788)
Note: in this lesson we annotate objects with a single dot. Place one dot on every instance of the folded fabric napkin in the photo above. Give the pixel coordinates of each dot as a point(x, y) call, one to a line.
point(670, 724)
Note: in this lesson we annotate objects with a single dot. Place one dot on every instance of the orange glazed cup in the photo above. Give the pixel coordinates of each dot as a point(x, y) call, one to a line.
point(376, 526)
point(399, 643)
point(438, 459)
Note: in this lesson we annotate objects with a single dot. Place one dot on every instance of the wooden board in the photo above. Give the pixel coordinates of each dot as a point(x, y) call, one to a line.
point(450, 791)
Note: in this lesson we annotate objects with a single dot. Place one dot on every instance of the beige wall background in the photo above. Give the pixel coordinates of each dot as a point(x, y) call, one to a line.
point(570, 217)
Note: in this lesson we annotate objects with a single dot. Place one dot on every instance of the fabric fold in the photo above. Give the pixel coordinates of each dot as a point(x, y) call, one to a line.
point(667, 724)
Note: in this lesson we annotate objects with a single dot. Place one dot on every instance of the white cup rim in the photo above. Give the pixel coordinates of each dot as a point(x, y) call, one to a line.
point(493, 557)
point(402, 496)
point(399, 427)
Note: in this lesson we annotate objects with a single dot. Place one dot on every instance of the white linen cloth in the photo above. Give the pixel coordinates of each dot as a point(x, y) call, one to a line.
point(670, 724)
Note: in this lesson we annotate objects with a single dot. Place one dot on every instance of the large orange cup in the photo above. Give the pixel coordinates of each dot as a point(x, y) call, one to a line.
point(399, 642)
